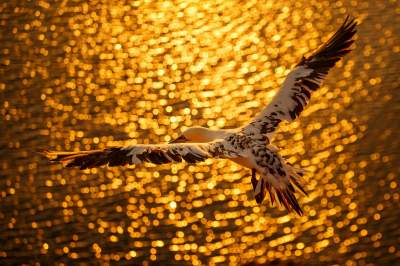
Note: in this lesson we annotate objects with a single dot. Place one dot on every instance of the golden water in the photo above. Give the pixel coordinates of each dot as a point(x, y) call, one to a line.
point(90, 74)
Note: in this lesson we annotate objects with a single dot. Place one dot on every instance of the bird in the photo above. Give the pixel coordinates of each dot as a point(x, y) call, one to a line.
point(249, 145)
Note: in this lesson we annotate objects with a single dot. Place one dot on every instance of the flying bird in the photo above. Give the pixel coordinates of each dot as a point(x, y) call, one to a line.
point(249, 145)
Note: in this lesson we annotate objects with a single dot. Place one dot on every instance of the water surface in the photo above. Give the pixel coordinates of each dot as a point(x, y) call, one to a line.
point(90, 74)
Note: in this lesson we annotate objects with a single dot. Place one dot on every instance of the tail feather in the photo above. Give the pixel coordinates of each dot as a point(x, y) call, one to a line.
point(295, 175)
point(283, 192)
point(288, 199)
point(271, 194)
point(298, 185)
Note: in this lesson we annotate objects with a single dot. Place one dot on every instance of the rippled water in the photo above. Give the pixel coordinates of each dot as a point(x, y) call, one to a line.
point(89, 74)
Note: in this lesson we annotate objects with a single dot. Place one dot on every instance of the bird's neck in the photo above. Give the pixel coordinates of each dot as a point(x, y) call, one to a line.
point(207, 135)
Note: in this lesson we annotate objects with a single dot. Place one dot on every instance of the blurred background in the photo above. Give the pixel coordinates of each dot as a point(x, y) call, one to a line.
point(90, 74)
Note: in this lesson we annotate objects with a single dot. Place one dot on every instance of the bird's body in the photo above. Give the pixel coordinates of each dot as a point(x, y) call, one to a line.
point(250, 145)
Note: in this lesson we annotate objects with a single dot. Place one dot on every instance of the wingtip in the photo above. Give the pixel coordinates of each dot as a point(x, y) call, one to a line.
point(44, 153)
point(52, 156)
point(350, 23)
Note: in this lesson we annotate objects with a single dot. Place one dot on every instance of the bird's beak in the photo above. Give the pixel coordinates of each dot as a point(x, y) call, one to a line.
point(180, 139)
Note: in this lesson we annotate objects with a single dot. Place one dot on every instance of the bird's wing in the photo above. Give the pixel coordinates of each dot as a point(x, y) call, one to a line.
point(137, 154)
point(305, 78)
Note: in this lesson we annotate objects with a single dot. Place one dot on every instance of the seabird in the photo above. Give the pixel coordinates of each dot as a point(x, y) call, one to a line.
point(249, 145)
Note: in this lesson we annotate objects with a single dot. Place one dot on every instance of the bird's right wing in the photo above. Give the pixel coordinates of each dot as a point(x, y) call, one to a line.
point(137, 154)
point(305, 78)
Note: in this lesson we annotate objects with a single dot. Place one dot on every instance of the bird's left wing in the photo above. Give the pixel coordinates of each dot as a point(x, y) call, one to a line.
point(137, 154)
point(305, 78)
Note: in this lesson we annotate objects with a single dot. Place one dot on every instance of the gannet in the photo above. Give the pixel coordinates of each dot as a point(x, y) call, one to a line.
point(250, 145)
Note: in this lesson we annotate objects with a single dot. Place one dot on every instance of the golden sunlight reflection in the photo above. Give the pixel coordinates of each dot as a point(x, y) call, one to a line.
point(79, 75)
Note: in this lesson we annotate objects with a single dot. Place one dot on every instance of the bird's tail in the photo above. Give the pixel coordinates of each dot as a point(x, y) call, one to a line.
point(282, 189)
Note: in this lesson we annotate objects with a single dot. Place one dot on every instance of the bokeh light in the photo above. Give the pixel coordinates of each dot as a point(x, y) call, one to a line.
point(89, 74)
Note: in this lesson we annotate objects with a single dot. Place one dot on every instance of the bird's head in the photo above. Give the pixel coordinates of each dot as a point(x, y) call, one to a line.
point(194, 134)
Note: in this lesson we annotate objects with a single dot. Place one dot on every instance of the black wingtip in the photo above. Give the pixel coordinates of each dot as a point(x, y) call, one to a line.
point(350, 20)
point(49, 155)
point(41, 152)
point(338, 45)
point(349, 26)
point(335, 48)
